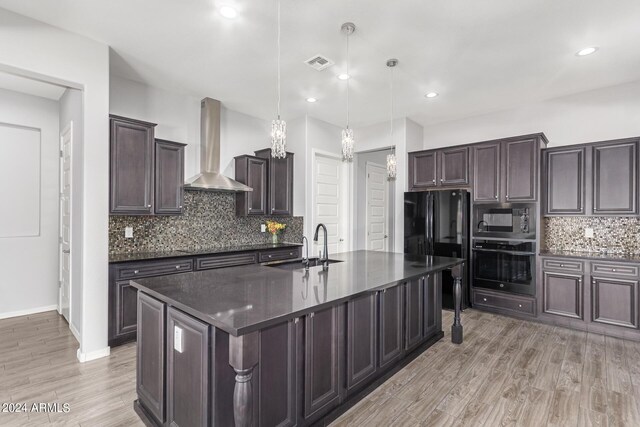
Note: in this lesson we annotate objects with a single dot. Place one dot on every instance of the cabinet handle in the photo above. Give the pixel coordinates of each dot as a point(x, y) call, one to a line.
point(484, 299)
point(561, 265)
point(135, 271)
point(433, 180)
point(495, 197)
point(148, 206)
point(441, 179)
point(502, 285)
point(296, 320)
point(180, 206)
point(613, 269)
point(520, 305)
point(384, 291)
point(291, 253)
point(311, 315)
point(270, 256)
point(177, 267)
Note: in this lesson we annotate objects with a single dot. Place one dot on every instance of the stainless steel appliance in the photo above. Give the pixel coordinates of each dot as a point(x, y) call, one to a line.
point(508, 266)
point(437, 223)
point(511, 221)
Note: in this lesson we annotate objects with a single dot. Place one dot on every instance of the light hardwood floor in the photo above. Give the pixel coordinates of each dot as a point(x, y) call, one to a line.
point(507, 372)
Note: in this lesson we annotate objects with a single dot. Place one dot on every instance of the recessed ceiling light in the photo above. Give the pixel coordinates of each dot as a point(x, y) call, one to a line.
point(344, 76)
point(431, 95)
point(228, 12)
point(311, 99)
point(587, 51)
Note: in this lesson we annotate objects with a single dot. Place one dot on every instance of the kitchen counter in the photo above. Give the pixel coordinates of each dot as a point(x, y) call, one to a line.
point(247, 298)
point(145, 256)
point(602, 256)
point(277, 345)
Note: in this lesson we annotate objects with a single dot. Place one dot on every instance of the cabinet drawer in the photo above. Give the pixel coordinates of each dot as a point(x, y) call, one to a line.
point(562, 264)
point(279, 254)
point(153, 268)
point(226, 260)
point(505, 302)
point(621, 270)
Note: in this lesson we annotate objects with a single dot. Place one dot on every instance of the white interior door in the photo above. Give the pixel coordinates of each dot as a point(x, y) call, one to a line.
point(377, 207)
point(66, 140)
point(329, 202)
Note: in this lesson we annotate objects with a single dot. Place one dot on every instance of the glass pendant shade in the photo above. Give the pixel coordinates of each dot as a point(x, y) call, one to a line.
point(392, 166)
point(347, 144)
point(278, 138)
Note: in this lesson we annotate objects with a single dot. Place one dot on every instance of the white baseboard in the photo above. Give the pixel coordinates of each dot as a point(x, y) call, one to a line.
point(74, 331)
point(93, 355)
point(28, 311)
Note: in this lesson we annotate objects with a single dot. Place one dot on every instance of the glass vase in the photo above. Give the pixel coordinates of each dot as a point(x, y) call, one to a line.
point(274, 239)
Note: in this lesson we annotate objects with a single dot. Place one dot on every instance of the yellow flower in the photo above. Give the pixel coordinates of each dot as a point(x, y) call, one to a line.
point(274, 227)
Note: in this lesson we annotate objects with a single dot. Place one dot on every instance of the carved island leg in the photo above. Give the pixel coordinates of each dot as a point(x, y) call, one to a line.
point(243, 358)
point(456, 328)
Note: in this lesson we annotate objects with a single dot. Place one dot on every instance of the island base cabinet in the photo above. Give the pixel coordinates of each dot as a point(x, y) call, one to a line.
point(391, 325)
point(187, 370)
point(414, 313)
point(150, 360)
point(432, 306)
point(362, 318)
point(322, 387)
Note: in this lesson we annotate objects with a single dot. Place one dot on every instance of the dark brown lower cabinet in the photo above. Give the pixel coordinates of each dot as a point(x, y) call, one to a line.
point(414, 313)
point(432, 304)
point(562, 294)
point(126, 317)
point(276, 374)
point(614, 301)
point(150, 356)
point(362, 319)
point(322, 362)
point(391, 306)
point(187, 370)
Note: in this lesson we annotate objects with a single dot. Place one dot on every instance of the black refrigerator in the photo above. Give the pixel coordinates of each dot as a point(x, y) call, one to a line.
point(437, 223)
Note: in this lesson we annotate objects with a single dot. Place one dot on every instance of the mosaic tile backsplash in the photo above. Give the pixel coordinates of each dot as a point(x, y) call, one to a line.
point(616, 235)
point(209, 221)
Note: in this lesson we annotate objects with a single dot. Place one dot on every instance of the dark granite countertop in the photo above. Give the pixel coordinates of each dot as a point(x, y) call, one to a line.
point(244, 299)
point(142, 256)
point(602, 256)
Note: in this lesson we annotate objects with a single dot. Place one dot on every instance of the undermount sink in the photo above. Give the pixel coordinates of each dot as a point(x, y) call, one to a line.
point(298, 264)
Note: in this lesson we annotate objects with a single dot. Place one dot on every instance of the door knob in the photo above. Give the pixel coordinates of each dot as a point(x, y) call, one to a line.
point(66, 251)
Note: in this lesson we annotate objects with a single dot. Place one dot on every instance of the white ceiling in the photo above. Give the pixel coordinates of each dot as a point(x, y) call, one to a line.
point(480, 56)
point(30, 87)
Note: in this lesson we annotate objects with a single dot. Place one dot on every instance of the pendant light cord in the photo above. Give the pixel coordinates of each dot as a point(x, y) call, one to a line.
point(391, 113)
point(279, 91)
point(348, 78)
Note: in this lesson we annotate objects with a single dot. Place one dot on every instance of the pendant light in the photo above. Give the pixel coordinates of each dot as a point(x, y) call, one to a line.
point(278, 126)
point(392, 164)
point(347, 134)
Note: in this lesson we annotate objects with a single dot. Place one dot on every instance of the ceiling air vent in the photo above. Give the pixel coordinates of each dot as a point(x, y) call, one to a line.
point(319, 62)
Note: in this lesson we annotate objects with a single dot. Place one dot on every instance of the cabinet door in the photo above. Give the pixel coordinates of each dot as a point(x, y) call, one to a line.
point(281, 185)
point(123, 301)
point(614, 178)
point(322, 362)
point(169, 177)
point(362, 316)
point(391, 320)
point(564, 178)
point(562, 294)
point(432, 305)
point(614, 302)
point(187, 371)
point(277, 375)
point(422, 170)
point(454, 165)
point(521, 170)
point(252, 171)
point(131, 167)
point(150, 355)
point(414, 313)
point(486, 170)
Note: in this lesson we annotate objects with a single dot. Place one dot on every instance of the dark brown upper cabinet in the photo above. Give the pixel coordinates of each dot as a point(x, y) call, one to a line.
point(521, 163)
point(280, 183)
point(486, 167)
point(454, 166)
point(252, 171)
point(422, 170)
point(169, 177)
point(131, 166)
point(564, 179)
point(599, 178)
point(615, 168)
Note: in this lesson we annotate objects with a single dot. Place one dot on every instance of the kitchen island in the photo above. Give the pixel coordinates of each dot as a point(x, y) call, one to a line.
point(279, 345)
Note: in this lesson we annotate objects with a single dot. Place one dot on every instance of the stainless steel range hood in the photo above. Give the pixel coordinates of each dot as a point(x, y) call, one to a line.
point(210, 178)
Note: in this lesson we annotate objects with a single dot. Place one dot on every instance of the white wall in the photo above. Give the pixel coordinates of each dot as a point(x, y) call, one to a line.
point(178, 119)
point(32, 48)
point(71, 112)
point(297, 144)
point(29, 257)
point(595, 115)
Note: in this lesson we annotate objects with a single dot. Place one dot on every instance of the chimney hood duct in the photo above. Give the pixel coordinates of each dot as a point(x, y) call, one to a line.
point(210, 178)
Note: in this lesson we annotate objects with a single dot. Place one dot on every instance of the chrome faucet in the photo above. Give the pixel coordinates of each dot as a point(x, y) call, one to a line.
point(305, 260)
point(324, 258)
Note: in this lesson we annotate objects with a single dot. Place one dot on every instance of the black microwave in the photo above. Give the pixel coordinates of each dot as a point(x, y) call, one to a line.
point(514, 221)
